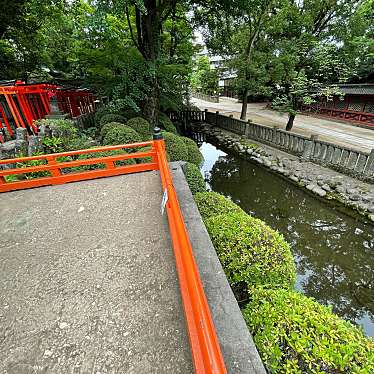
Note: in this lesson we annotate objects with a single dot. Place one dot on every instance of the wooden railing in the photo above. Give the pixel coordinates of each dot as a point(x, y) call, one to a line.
point(67, 167)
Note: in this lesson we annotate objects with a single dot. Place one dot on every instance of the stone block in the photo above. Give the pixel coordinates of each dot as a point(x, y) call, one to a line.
point(361, 163)
point(369, 169)
point(336, 156)
point(329, 154)
point(21, 133)
point(35, 145)
point(344, 158)
point(352, 160)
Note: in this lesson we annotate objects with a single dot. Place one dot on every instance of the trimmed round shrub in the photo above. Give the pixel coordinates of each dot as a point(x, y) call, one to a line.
point(175, 147)
point(120, 134)
point(166, 124)
point(213, 204)
point(141, 126)
point(194, 154)
point(251, 253)
point(108, 118)
point(295, 334)
point(194, 178)
point(108, 126)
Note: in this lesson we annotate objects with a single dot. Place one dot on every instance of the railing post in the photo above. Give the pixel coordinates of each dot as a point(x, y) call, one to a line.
point(205, 112)
point(217, 114)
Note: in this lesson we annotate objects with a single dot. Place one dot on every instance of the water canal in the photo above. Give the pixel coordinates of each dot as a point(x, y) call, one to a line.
point(334, 252)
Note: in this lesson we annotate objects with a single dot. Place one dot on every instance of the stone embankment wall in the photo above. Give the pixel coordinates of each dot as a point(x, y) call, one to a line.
point(349, 161)
point(345, 160)
point(323, 182)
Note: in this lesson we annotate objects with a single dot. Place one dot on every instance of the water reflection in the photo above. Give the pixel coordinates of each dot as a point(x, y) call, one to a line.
point(333, 252)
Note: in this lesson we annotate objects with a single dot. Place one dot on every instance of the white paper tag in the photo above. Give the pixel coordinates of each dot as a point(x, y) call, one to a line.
point(164, 201)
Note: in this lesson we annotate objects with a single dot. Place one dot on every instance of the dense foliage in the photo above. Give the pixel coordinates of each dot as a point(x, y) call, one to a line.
point(141, 126)
point(194, 178)
point(108, 118)
point(175, 147)
point(295, 334)
point(166, 124)
point(251, 252)
point(65, 136)
point(120, 134)
point(193, 153)
point(212, 204)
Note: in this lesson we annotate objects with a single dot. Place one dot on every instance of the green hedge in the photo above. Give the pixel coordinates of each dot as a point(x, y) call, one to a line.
point(166, 124)
point(175, 147)
point(145, 159)
point(120, 134)
point(295, 334)
point(100, 165)
point(109, 126)
point(251, 253)
point(108, 118)
point(194, 154)
point(213, 204)
point(194, 178)
point(141, 126)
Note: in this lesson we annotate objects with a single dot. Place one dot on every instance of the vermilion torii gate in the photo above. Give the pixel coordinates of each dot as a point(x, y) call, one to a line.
point(21, 104)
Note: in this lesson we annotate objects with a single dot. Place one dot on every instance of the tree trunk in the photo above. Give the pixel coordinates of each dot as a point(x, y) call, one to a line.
point(243, 114)
point(291, 118)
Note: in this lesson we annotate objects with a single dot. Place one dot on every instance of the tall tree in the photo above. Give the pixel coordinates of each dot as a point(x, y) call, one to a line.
point(305, 60)
point(234, 29)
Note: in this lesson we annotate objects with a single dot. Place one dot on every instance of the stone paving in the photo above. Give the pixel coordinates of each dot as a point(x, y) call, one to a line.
point(88, 281)
point(328, 130)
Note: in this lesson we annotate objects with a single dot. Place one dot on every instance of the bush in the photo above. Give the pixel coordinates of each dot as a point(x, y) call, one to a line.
point(108, 126)
point(141, 126)
point(100, 112)
point(131, 113)
point(175, 147)
point(194, 154)
point(100, 165)
point(194, 178)
point(251, 253)
point(213, 204)
point(166, 124)
point(65, 136)
point(107, 118)
point(121, 135)
point(295, 334)
point(145, 159)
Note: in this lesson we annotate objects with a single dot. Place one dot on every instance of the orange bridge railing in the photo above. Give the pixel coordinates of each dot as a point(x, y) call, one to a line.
point(59, 168)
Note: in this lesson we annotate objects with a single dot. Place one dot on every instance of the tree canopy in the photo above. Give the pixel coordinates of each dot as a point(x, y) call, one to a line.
point(139, 52)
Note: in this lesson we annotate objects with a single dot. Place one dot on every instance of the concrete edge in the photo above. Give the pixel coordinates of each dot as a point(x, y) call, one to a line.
point(238, 349)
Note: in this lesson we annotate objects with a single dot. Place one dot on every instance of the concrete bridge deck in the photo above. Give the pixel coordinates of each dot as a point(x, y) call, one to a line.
point(88, 281)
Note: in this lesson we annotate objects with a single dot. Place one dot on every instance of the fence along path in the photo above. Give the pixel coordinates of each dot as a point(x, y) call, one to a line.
point(350, 161)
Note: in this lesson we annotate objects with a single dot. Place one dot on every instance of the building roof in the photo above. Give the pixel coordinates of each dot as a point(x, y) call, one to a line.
point(357, 89)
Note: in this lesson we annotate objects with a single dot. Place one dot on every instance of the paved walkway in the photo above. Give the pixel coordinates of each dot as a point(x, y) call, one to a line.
point(331, 131)
point(88, 282)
